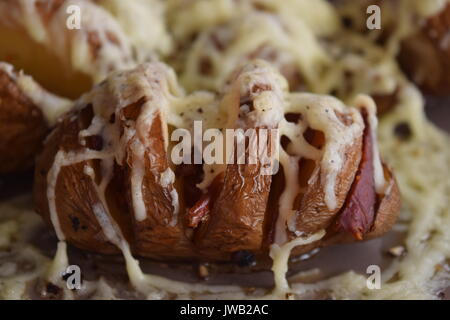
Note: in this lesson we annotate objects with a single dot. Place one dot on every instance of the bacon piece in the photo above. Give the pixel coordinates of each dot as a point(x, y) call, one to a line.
point(200, 211)
point(358, 213)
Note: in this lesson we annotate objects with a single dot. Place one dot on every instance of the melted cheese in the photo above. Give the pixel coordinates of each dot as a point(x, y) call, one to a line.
point(420, 163)
point(245, 36)
point(268, 108)
point(367, 103)
point(402, 18)
point(318, 113)
point(143, 22)
point(280, 257)
point(51, 106)
point(97, 48)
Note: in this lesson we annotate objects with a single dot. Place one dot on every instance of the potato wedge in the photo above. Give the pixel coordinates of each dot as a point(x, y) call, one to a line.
point(362, 212)
point(161, 232)
point(388, 208)
point(387, 211)
point(238, 211)
point(313, 214)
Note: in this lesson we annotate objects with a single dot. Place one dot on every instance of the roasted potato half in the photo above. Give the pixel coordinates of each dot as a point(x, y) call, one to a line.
point(107, 175)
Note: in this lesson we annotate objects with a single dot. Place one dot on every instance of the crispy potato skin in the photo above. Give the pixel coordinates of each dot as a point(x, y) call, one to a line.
point(358, 213)
point(76, 196)
point(56, 63)
point(364, 214)
point(240, 218)
point(155, 236)
point(426, 55)
point(237, 214)
point(388, 208)
point(22, 127)
point(75, 192)
point(317, 215)
point(313, 214)
point(237, 218)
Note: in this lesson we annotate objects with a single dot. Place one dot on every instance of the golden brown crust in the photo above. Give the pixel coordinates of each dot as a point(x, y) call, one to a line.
point(22, 127)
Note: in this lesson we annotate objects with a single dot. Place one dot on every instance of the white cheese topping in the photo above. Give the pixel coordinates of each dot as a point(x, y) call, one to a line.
point(52, 106)
point(420, 163)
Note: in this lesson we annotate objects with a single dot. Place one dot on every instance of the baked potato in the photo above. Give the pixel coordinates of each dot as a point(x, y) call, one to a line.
point(415, 30)
point(273, 35)
point(106, 175)
point(143, 21)
point(425, 55)
point(27, 112)
point(65, 61)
